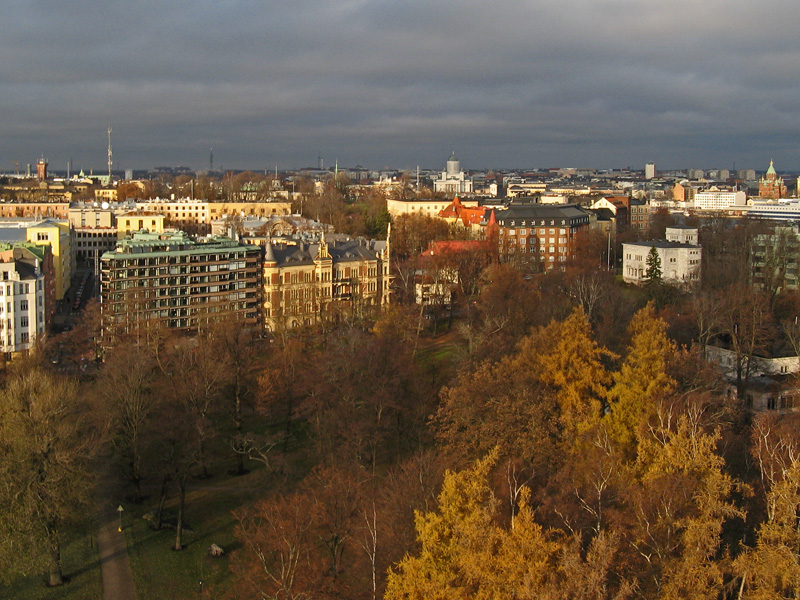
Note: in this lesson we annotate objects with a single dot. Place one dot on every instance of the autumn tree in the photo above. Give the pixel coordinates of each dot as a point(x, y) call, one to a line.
point(465, 554)
point(745, 324)
point(681, 500)
point(198, 378)
point(642, 380)
point(128, 388)
point(533, 403)
point(279, 559)
point(771, 569)
point(508, 306)
point(47, 440)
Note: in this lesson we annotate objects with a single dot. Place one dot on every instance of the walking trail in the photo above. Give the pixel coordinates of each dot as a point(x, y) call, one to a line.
point(115, 567)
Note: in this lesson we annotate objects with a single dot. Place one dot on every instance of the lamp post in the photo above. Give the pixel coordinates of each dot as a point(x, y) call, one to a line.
point(119, 510)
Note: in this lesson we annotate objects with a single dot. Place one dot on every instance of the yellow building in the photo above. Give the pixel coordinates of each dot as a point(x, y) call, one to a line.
point(305, 283)
point(136, 220)
point(58, 235)
point(217, 210)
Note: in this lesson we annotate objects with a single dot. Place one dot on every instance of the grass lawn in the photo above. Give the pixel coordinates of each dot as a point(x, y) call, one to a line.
point(81, 566)
point(159, 572)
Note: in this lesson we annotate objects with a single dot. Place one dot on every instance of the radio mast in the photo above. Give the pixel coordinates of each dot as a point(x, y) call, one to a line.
point(110, 162)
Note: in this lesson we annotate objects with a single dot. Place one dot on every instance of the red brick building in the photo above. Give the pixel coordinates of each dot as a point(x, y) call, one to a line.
point(771, 186)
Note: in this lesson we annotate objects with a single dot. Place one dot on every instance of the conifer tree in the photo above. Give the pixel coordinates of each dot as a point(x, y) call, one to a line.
point(641, 381)
point(653, 275)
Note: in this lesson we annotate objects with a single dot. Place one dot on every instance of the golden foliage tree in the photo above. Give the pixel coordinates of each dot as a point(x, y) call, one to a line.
point(642, 380)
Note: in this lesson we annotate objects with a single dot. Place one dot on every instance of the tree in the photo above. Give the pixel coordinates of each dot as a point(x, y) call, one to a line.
point(47, 441)
point(746, 324)
point(464, 554)
point(127, 387)
point(771, 569)
point(681, 500)
point(642, 380)
point(280, 559)
point(652, 276)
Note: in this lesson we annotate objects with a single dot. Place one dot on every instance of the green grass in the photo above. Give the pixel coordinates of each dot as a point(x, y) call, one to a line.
point(159, 572)
point(80, 565)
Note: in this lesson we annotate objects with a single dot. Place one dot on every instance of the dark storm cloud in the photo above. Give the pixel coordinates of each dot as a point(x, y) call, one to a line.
point(581, 82)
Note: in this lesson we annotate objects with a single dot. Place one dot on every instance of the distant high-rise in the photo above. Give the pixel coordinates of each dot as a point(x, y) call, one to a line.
point(650, 170)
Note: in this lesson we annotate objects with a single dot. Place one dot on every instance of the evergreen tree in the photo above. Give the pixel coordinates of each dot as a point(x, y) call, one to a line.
point(653, 274)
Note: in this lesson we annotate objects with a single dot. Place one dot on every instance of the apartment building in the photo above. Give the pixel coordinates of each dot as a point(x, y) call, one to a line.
point(304, 283)
point(185, 213)
point(171, 279)
point(26, 295)
point(542, 235)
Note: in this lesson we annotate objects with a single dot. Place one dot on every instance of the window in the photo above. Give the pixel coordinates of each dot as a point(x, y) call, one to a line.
point(23, 321)
point(23, 305)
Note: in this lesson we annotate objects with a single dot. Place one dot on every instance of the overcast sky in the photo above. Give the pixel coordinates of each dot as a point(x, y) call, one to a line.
point(400, 83)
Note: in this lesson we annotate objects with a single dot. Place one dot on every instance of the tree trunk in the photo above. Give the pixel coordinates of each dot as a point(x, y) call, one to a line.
point(56, 578)
point(162, 498)
point(179, 527)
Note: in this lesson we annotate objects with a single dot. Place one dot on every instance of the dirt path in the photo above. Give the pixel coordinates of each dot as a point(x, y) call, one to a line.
point(114, 564)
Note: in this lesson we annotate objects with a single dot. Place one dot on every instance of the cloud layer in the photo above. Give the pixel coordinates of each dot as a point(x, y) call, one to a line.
point(377, 82)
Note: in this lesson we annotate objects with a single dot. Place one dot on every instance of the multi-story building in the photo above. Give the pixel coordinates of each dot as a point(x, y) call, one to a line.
point(715, 199)
point(34, 210)
point(58, 235)
point(775, 259)
point(639, 215)
point(679, 255)
point(542, 235)
point(26, 295)
point(179, 213)
point(304, 283)
point(200, 213)
point(136, 220)
point(422, 206)
point(170, 279)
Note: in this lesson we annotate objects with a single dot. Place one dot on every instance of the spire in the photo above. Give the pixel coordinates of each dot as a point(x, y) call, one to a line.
point(269, 254)
point(771, 170)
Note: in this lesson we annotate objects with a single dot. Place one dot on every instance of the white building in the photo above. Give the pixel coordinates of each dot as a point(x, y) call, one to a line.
point(453, 181)
point(22, 300)
point(719, 199)
point(680, 260)
point(650, 171)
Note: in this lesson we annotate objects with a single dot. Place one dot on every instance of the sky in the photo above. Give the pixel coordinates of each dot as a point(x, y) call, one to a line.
point(400, 83)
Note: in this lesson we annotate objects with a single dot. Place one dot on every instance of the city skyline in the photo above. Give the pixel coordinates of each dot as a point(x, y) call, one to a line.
point(604, 84)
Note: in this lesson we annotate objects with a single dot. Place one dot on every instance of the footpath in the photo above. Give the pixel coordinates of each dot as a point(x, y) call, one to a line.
point(115, 567)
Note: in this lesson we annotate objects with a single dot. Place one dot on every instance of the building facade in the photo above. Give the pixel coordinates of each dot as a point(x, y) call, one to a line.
point(183, 284)
point(679, 255)
point(542, 235)
point(719, 199)
point(26, 295)
point(305, 283)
